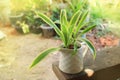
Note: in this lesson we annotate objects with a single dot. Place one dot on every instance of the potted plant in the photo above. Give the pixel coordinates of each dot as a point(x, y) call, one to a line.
point(47, 31)
point(22, 28)
point(71, 59)
point(32, 21)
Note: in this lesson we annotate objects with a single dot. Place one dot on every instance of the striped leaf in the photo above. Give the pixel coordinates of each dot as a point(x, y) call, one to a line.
point(49, 21)
point(64, 26)
point(88, 29)
point(42, 55)
point(83, 18)
point(90, 45)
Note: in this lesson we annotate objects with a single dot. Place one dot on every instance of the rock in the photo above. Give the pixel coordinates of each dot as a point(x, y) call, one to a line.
point(2, 35)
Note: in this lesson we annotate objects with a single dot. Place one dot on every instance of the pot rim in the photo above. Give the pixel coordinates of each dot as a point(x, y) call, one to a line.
point(67, 49)
point(18, 15)
point(45, 26)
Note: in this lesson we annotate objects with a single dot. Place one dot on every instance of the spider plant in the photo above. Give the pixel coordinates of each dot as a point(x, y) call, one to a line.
point(69, 33)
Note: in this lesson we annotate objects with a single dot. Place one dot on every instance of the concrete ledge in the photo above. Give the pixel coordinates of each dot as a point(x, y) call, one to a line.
point(109, 73)
point(105, 58)
point(106, 66)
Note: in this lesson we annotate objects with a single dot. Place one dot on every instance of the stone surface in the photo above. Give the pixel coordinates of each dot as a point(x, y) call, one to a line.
point(105, 58)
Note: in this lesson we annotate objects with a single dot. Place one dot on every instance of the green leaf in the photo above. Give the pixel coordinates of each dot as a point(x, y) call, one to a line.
point(79, 33)
point(49, 21)
point(83, 18)
point(63, 17)
point(75, 18)
point(73, 24)
point(42, 56)
point(75, 48)
point(90, 45)
point(70, 33)
point(71, 5)
point(88, 29)
point(79, 5)
point(65, 34)
point(64, 27)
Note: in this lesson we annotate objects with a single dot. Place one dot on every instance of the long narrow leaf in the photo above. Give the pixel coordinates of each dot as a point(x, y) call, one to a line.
point(79, 33)
point(63, 17)
point(90, 45)
point(42, 56)
point(88, 29)
point(84, 16)
point(73, 23)
point(75, 18)
point(71, 5)
point(65, 33)
point(70, 33)
point(72, 26)
point(81, 4)
point(49, 21)
point(62, 37)
point(64, 26)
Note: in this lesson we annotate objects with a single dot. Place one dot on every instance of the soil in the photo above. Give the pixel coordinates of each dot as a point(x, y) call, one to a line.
point(106, 40)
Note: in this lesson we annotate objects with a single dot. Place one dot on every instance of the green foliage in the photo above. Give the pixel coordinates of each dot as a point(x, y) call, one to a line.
point(105, 11)
point(24, 26)
point(69, 32)
point(76, 5)
point(96, 13)
point(55, 13)
point(102, 30)
point(91, 47)
point(31, 19)
point(108, 9)
point(42, 56)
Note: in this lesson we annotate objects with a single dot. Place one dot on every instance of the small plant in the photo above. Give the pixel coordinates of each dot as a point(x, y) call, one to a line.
point(24, 26)
point(31, 19)
point(69, 33)
point(76, 5)
point(55, 13)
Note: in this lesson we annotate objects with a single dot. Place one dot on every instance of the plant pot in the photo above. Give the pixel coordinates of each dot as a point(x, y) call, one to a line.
point(69, 63)
point(47, 31)
point(15, 18)
point(35, 29)
point(19, 29)
point(58, 25)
